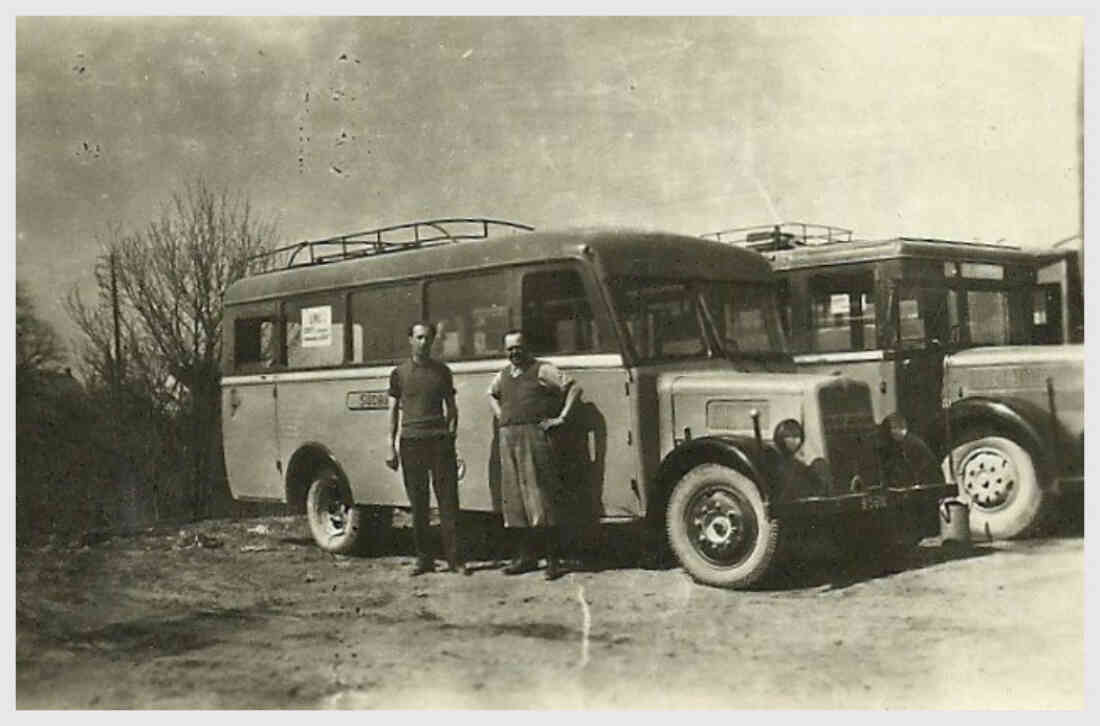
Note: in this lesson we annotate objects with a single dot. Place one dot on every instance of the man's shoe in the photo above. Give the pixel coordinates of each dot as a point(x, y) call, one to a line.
point(422, 568)
point(554, 570)
point(518, 567)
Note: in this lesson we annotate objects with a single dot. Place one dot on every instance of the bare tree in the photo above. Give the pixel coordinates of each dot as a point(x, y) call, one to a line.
point(37, 346)
point(170, 277)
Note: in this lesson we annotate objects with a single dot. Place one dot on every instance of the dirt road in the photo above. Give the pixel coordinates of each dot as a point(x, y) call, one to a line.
point(250, 614)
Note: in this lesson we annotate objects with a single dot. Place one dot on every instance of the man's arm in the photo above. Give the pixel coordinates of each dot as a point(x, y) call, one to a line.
point(450, 408)
point(572, 393)
point(394, 405)
point(394, 408)
point(494, 396)
point(451, 413)
point(549, 375)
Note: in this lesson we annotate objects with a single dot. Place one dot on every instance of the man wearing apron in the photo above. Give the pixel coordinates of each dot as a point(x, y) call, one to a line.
point(529, 398)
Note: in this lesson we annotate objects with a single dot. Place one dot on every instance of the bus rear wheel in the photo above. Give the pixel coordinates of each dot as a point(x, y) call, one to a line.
point(718, 527)
point(999, 478)
point(334, 521)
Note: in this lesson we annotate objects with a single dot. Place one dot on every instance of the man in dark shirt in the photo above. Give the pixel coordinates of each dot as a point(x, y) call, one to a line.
point(422, 396)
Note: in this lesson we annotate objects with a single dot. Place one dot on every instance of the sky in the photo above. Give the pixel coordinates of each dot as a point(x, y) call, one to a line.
point(963, 128)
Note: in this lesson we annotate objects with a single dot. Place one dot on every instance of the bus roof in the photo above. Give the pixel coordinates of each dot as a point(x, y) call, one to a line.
point(620, 252)
point(841, 253)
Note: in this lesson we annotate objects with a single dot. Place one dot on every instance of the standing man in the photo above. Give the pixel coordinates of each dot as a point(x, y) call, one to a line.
point(529, 398)
point(422, 391)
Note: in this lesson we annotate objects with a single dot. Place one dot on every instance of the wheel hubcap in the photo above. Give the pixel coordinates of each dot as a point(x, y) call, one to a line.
point(721, 526)
point(989, 478)
point(334, 511)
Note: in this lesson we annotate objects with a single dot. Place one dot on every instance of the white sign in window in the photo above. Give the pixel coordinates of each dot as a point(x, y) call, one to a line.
point(317, 327)
point(982, 271)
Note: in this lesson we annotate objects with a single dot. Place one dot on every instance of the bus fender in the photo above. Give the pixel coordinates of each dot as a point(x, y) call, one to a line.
point(739, 453)
point(1022, 420)
point(304, 463)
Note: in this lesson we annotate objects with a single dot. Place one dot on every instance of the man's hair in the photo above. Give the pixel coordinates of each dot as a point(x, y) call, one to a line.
point(513, 331)
point(423, 323)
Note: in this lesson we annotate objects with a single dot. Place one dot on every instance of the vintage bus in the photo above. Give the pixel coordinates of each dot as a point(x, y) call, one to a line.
point(693, 417)
point(944, 333)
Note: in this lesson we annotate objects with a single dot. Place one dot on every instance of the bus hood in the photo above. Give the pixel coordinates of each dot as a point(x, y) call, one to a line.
point(1039, 374)
point(1016, 355)
point(740, 383)
point(713, 403)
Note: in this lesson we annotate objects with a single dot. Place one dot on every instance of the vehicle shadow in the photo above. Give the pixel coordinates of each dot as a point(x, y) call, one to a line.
point(810, 562)
point(833, 568)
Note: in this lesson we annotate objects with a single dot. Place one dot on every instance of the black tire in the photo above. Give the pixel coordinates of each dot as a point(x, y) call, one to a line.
point(718, 528)
point(999, 478)
point(334, 521)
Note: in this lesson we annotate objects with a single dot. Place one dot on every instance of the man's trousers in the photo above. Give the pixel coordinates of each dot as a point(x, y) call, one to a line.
point(434, 457)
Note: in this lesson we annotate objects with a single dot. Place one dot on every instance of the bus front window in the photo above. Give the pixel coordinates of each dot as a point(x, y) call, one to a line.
point(960, 315)
point(746, 318)
point(666, 318)
point(662, 317)
point(990, 321)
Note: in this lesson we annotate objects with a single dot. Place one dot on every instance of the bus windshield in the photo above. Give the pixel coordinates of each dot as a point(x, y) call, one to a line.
point(960, 315)
point(668, 318)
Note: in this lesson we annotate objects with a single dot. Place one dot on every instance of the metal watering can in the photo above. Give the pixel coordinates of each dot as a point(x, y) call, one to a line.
point(955, 522)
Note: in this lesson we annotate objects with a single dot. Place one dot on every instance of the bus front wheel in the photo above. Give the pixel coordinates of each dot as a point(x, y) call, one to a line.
point(334, 520)
point(1000, 480)
point(718, 527)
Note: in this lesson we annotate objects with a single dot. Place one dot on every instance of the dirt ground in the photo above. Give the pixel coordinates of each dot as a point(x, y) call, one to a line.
point(249, 614)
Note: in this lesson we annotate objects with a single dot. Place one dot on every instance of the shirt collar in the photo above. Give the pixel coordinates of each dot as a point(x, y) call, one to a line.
point(517, 370)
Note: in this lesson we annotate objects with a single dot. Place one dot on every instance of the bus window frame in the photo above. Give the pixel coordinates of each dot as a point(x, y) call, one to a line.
point(268, 310)
point(339, 299)
point(960, 286)
point(889, 275)
point(602, 316)
point(510, 299)
point(800, 301)
point(856, 326)
point(417, 283)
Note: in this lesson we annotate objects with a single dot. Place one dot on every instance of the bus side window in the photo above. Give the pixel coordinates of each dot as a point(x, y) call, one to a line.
point(1046, 315)
point(557, 317)
point(844, 316)
point(926, 316)
point(254, 343)
point(314, 333)
point(471, 314)
point(379, 320)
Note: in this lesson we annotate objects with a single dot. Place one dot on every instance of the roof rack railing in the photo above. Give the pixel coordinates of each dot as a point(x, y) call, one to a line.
point(382, 240)
point(937, 240)
point(782, 236)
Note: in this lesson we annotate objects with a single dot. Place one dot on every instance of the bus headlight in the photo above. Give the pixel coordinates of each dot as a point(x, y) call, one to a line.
point(896, 426)
point(788, 436)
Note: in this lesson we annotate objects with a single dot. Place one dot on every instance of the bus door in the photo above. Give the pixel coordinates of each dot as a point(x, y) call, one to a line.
point(924, 320)
point(598, 446)
point(249, 403)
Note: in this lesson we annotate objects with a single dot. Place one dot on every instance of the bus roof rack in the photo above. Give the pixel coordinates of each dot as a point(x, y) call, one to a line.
point(379, 241)
point(937, 240)
point(782, 236)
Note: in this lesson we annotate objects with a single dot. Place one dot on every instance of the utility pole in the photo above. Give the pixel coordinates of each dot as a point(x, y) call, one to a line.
point(115, 363)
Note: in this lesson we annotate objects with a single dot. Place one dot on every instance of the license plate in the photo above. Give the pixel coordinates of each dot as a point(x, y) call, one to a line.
point(874, 501)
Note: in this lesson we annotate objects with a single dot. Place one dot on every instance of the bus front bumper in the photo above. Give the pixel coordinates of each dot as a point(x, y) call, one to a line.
point(887, 501)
